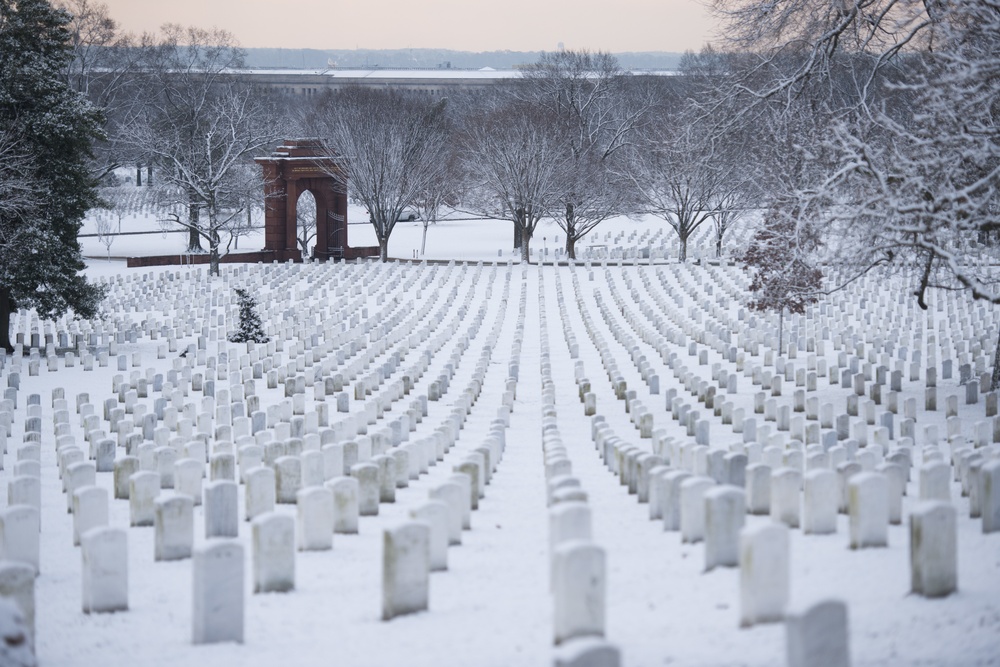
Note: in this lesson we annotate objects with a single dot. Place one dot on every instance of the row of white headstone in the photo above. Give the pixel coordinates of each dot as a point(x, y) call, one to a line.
point(578, 569)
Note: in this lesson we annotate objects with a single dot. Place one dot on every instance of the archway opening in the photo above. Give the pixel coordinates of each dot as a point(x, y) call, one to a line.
point(305, 223)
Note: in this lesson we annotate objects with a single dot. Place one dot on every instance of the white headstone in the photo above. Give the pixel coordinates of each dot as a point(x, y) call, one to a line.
point(934, 549)
point(820, 498)
point(785, 498)
point(17, 584)
point(435, 513)
point(818, 636)
point(144, 488)
point(367, 475)
point(405, 569)
point(261, 494)
point(587, 652)
point(174, 527)
point(764, 573)
point(188, 474)
point(579, 590)
point(989, 496)
point(218, 592)
point(222, 509)
point(273, 553)
point(725, 514)
point(19, 535)
point(16, 649)
point(314, 526)
point(868, 507)
point(287, 478)
point(105, 569)
point(452, 495)
point(692, 492)
point(345, 504)
point(90, 510)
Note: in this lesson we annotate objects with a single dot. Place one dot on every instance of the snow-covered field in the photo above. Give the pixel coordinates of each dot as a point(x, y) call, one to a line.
point(485, 321)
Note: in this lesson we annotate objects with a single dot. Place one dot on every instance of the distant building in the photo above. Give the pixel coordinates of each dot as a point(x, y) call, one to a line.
point(432, 82)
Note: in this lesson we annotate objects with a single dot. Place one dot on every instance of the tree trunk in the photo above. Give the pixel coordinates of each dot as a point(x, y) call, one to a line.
point(781, 328)
point(682, 251)
point(518, 238)
point(213, 256)
point(423, 240)
point(383, 250)
point(138, 175)
point(525, 248)
point(5, 320)
point(718, 245)
point(149, 175)
point(995, 380)
point(194, 238)
point(570, 231)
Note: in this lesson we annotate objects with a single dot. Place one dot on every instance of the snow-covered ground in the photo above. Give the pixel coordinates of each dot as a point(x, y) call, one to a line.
point(457, 237)
point(493, 606)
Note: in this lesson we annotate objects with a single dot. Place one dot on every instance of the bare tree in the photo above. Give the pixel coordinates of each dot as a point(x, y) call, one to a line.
point(443, 188)
point(106, 67)
point(908, 177)
point(386, 145)
point(597, 110)
point(203, 127)
point(514, 160)
point(680, 180)
point(305, 213)
point(105, 229)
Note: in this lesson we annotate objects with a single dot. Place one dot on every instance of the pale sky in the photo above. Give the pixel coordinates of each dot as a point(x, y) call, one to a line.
point(464, 25)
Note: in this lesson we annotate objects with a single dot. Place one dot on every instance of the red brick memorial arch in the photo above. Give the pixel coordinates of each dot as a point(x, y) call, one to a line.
point(298, 166)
